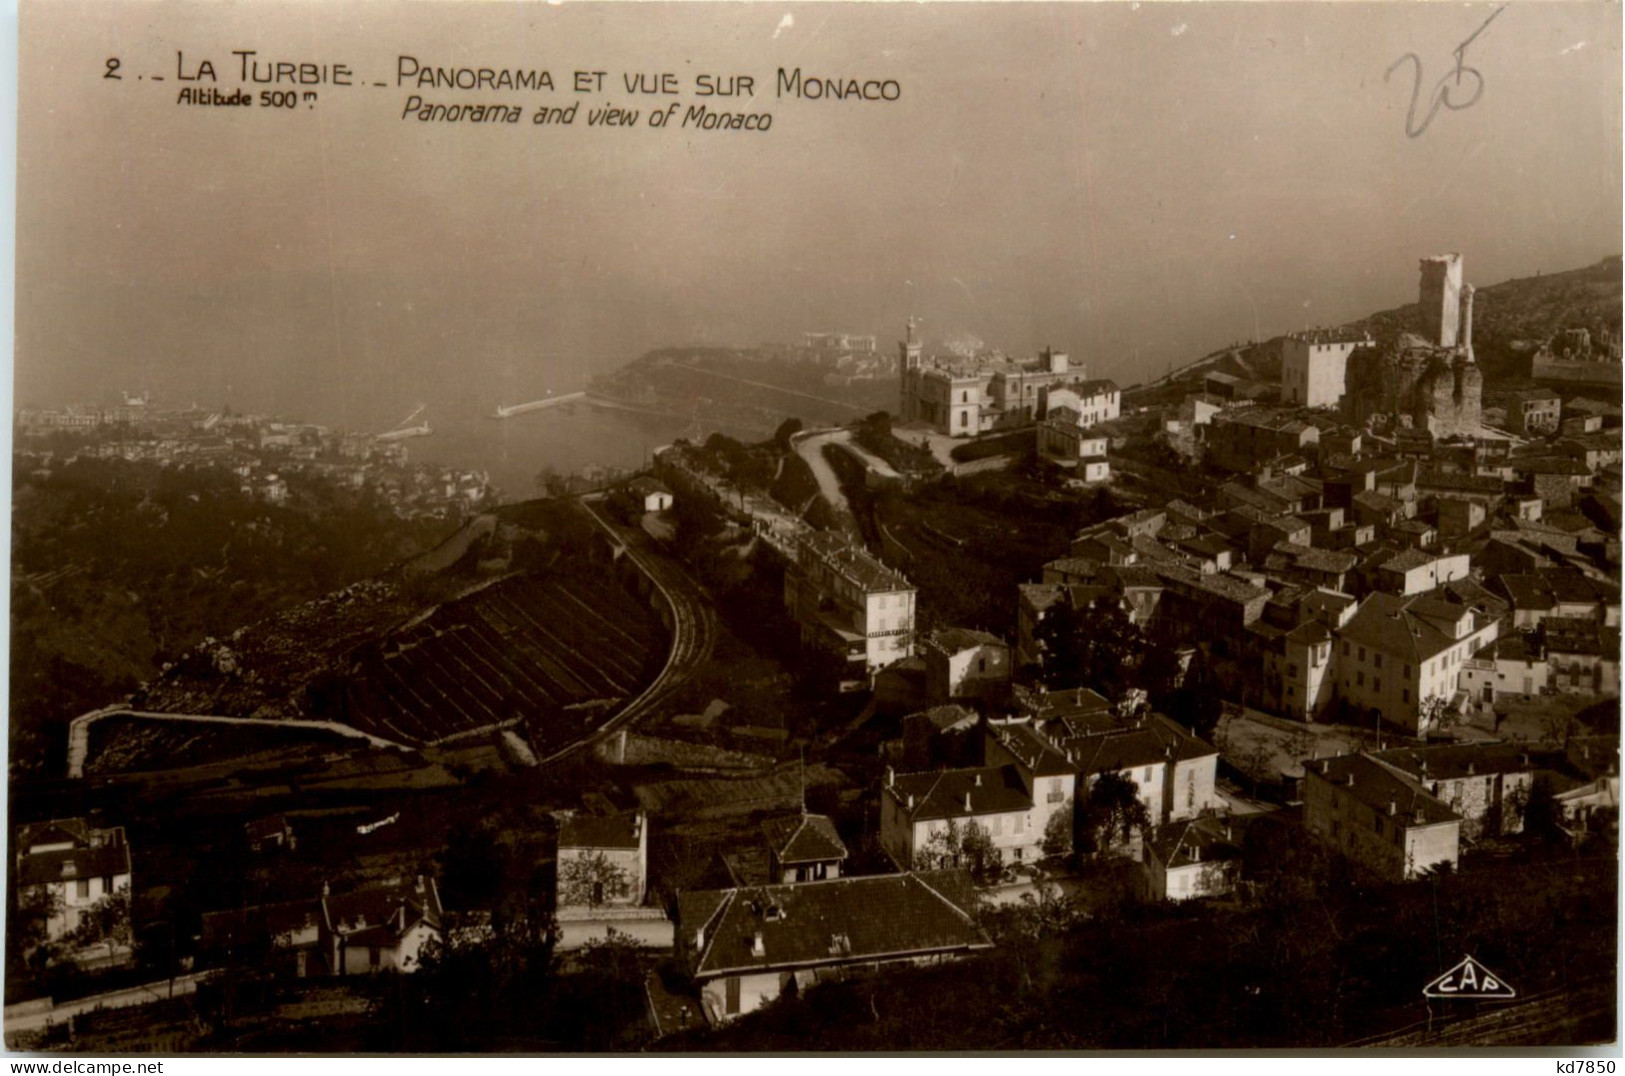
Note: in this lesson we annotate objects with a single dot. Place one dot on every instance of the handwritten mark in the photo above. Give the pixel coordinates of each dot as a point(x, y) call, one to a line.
point(1442, 89)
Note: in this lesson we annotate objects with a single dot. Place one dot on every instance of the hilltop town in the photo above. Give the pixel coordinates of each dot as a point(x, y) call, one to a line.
point(1017, 709)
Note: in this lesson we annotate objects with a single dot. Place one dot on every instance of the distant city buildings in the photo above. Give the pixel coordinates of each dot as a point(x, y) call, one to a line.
point(964, 396)
point(268, 455)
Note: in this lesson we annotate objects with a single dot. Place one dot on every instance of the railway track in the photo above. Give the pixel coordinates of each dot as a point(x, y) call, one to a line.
point(693, 635)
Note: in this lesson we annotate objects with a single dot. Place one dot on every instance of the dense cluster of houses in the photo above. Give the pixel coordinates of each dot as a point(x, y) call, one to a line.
point(263, 452)
point(1406, 576)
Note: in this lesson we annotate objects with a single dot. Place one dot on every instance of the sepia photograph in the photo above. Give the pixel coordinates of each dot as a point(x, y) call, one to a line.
point(708, 528)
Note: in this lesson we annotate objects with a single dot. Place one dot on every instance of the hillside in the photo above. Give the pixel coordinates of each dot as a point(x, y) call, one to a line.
point(1510, 319)
point(749, 391)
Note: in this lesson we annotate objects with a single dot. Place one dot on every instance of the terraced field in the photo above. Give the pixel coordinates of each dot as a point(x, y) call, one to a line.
point(556, 653)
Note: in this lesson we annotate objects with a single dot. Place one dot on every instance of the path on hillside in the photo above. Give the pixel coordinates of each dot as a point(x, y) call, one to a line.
point(693, 634)
point(810, 447)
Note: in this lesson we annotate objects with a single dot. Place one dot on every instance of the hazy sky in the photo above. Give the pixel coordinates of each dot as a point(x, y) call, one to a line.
point(1137, 184)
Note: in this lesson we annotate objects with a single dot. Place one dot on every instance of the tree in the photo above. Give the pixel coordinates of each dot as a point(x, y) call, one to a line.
point(1434, 712)
point(787, 429)
point(1560, 726)
point(1093, 647)
point(107, 920)
point(940, 849)
point(472, 867)
point(978, 854)
point(1542, 817)
point(592, 880)
point(27, 928)
point(1115, 812)
point(1059, 832)
point(477, 981)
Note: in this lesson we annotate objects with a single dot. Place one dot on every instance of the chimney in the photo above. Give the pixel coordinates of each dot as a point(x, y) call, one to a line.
point(1348, 779)
point(978, 783)
point(891, 777)
point(421, 888)
point(1393, 808)
point(967, 801)
point(324, 889)
point(1471, 769)
point(911, 801)
point(758, 946)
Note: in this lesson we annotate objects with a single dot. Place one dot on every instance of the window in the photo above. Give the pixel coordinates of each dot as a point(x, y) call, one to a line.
point(1376, 683)
point(1407, 670)
point(1362, 653)
point(1359, 679)
point(1292, 671)
point(81, 889)
point(1376, 824)
point(372, 956)
point(1147, 775)
point(1378, 658)
point(1405, 695)
point(1345, 649)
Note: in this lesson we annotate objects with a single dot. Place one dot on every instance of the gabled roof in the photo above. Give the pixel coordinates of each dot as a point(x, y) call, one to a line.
point(258, 924)
point(1033, 749)
point(594, 831)
point(956, 640)
point(1116, 751)
point(840, 921)
point(946, 793)
point(1377, 786)
point(1405, 626)
point(1449, 762)
point(382, 913)
point(75, 831)
point(1314, 559)
point(1194, 841)
point(73, 864)
point(805, 838)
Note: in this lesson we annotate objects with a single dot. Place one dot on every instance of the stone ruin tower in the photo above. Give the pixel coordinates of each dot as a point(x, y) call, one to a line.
point(1425, 380)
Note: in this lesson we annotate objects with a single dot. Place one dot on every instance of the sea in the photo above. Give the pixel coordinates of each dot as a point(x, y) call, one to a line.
point(569, 438)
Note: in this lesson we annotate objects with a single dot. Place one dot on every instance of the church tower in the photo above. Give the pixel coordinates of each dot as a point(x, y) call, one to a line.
point(908, 372)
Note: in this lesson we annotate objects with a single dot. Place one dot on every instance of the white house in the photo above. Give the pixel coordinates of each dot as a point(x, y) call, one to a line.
point(961, 663)
point(1198, 857)
point(75, 863)
point(1378, 816)
point(603, 861)
point(919, 810)
point(379, 928)
point(748, 946)
point(849, 604)
point(1397, 654)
